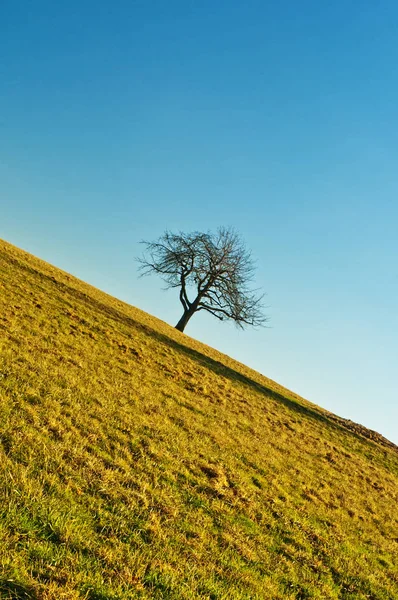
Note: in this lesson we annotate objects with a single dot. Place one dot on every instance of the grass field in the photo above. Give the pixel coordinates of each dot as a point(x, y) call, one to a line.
point(138, 463)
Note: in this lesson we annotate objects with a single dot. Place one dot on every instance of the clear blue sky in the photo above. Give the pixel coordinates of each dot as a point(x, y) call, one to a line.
point(121, 119)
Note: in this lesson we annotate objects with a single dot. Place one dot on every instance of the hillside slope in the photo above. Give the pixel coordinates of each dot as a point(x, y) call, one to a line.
point(138, 463)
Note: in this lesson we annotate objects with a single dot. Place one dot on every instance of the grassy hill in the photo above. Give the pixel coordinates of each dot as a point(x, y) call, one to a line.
point(136, 462)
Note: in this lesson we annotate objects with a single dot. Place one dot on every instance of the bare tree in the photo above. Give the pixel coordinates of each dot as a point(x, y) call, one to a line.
point(214, 269)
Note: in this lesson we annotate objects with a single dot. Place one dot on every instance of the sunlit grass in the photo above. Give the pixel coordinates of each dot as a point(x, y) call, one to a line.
point(138, 463)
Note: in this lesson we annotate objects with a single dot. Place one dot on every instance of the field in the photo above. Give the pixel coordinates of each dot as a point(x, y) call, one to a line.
point(136, 462)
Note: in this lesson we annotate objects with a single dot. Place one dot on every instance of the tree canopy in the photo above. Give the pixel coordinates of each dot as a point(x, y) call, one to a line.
point(212, 271)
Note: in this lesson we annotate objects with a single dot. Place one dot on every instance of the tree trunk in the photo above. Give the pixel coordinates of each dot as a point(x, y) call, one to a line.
point(182, 323)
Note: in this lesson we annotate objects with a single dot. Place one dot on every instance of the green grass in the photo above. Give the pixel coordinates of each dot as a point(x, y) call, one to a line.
point(136, 462)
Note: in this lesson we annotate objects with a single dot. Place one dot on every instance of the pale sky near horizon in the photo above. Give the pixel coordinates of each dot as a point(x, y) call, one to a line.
point(120, 120)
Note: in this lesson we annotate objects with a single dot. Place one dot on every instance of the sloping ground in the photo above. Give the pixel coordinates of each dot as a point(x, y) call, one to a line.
point(138, 463)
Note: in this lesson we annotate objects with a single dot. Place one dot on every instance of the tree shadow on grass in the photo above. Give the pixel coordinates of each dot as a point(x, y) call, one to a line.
point(338, 423)
point(10, 589)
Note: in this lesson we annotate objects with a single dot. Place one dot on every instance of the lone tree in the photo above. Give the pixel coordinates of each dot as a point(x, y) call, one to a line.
point(213, 269)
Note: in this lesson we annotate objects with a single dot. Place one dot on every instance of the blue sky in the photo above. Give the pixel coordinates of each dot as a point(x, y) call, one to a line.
point(120, 120)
